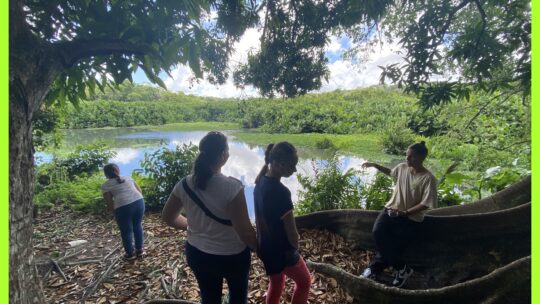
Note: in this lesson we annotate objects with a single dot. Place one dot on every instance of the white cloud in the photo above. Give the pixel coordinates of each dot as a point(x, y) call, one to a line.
point(343, 74)
point(125, 155)
point(183, 76)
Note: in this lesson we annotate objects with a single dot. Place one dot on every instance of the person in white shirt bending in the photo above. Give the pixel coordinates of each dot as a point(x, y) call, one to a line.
point(219, 231)
point(400, 220)
point(124, 196)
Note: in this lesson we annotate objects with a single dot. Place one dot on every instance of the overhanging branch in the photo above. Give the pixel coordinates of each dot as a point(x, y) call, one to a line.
point(73, 51)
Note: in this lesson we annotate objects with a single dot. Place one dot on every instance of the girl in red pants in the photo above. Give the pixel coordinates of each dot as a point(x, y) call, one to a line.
point(276, 230)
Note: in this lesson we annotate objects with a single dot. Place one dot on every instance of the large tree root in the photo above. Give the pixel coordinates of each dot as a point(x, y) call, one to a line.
point(508, 284)
point(457, 243)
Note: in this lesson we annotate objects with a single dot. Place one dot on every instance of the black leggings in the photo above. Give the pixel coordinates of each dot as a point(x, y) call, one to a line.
point(210, 269)
point(392, 236)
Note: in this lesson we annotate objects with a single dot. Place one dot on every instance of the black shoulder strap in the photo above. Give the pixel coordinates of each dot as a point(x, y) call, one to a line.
point(201, 205)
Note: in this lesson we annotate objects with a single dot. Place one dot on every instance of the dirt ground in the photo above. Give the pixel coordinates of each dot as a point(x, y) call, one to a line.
point(96, 273)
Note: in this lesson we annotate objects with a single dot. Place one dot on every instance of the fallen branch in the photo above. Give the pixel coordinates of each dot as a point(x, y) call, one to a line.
point(48, 272)
point(85, 261)
point(164, 285)
point(59, 270)
point(110, 253)
point(143, 293)
point(92, 287)
point(67, 256)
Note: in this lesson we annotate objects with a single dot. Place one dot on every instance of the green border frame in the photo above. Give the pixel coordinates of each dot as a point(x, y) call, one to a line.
point(535, 138)
point(4, 155)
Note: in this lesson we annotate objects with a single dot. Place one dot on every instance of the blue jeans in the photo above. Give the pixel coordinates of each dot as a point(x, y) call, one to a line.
point(210, 269)
point(129, 219)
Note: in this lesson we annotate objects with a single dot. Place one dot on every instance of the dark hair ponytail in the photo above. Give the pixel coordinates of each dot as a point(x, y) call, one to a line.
point(282, 151)
point(419, 148)
point(264, 169)
point(211, 148)
point(112, 171)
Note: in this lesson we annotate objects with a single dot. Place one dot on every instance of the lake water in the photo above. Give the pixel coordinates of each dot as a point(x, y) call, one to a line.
point(244, 163)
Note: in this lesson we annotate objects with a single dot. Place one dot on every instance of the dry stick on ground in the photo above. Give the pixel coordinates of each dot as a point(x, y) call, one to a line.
point(164, 284)
point(92, 287)
point(110, 253)
point(143, 293)
point(59, 269)
point(67, 256)
point(85, 261)
point(52, 263)
point(47, 273)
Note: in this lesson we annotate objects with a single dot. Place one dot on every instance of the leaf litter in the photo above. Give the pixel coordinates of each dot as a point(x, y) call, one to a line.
point(94, 271)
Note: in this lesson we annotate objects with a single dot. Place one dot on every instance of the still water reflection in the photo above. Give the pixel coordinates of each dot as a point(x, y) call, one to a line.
point(244, 163)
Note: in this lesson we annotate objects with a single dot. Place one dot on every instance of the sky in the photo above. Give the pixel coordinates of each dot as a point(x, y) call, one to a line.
point(344, 75)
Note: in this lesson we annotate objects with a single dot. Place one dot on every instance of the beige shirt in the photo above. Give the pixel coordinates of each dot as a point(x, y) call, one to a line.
point(411, 190)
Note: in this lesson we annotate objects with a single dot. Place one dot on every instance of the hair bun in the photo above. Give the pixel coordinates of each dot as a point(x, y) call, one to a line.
point(423, 143)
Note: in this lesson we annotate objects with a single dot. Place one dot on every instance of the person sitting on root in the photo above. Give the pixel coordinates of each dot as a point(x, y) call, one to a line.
point(124, 197)
point(277, 235)
point(399, 223)
point(217, 223)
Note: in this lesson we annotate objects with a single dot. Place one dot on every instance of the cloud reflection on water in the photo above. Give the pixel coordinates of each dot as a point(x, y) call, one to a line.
point(244, 163)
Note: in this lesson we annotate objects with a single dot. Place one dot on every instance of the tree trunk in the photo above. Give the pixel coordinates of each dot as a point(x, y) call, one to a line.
point(24, 286)
point(32, 70)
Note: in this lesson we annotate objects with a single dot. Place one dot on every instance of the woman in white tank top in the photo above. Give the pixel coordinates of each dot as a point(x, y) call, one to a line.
point(220, 233)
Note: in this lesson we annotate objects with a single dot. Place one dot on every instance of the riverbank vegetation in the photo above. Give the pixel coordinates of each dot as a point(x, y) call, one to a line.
point(477, 146)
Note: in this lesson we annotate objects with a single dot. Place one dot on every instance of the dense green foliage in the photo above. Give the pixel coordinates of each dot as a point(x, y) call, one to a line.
point(338, 112)
point(482, 134)
point(79, 193)
point(331, 188)
point(98, 114)
point(161, 170)
point(73, 180)
point(487, 44)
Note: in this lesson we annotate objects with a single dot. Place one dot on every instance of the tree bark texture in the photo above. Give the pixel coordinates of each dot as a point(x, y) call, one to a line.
point(32, 71)
point(508, 284)
point(23, 282)
point(456, 244)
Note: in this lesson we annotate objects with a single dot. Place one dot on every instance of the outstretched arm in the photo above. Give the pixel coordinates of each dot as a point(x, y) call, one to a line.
point(171, 213)
point(378, 167)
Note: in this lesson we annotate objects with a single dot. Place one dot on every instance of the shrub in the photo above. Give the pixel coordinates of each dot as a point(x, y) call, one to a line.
point(328, 189)
point(325, 143)
point(85, 160)
point(377, 193)
point(396, 139)
point(161, 170)
point(79, 193)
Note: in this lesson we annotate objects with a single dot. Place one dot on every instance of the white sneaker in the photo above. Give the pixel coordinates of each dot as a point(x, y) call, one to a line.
point(401, 276)
point(368, 274)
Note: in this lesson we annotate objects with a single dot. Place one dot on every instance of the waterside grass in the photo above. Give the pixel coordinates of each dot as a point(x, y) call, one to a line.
point(366, 145)
point(193, 126)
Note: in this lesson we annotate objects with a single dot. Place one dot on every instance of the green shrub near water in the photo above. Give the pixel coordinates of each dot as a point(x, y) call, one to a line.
point(74, 180)
point(161, 170)
point(396, 139)
point(79, 193)
point(328, 189)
